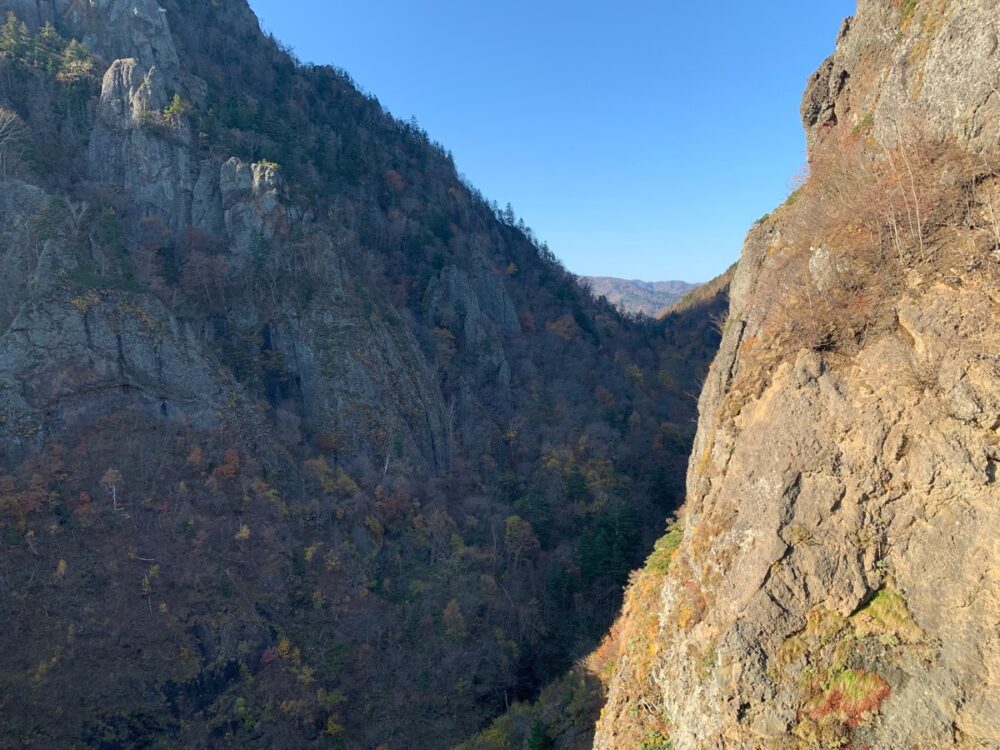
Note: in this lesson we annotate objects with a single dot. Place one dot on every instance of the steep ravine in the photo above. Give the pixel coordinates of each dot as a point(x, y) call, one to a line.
point(303, 441)
point(833, 577)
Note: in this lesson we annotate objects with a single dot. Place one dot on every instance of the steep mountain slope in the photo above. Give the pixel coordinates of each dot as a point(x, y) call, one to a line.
point(701, 294)
point(302, 442)
point(832, 579)
point(650, 298)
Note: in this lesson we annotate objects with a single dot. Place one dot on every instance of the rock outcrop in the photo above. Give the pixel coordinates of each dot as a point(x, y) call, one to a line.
point(65, 365)
point(136, 147)
point(836, 584)
point(137, 29)
point(898, 66)
point(252, 205)
point(146, 153)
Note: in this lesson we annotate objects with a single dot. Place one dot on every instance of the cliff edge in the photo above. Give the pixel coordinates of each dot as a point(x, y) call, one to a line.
point(832, 580)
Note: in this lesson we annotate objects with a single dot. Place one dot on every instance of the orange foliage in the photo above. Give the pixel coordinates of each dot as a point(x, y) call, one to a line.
point(195, 457)
point(564, 327)
point(395, 181)
point(603, 396)
point(230, 465)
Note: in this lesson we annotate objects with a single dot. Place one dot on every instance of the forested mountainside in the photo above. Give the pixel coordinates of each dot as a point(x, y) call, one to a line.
point(832, 580)
point(652, 298)
point(303, 443)
point(703, 294)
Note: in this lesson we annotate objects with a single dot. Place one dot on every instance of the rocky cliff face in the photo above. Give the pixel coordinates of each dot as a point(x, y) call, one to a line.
point(931, 62)
point(148, 155)
point(833, 578)
point(114, 28)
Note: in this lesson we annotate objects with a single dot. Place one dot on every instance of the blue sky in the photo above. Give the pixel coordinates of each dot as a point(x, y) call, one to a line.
point(639, 138)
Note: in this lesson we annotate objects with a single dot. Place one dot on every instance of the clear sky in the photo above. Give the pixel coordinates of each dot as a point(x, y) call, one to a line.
point(639, 138)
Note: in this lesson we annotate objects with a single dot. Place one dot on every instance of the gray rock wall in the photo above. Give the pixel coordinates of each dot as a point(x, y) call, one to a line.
point(932, 67)
point(355, 369)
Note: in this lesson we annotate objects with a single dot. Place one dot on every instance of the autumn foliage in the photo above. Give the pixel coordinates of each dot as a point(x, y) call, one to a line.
point(863, 218)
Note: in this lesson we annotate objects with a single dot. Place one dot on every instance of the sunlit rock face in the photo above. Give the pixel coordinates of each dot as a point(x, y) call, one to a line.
point(837, 580)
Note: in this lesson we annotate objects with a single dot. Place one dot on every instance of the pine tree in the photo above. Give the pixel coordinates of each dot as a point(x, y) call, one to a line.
point(538, 739)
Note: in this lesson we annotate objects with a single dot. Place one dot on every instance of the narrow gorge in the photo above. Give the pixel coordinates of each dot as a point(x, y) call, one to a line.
point(307, 443)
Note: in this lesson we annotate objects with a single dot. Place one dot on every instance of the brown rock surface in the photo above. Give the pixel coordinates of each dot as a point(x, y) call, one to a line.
point(837, 583)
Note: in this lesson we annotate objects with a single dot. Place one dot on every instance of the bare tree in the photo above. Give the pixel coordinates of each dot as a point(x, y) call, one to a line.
point(76, 210)
point(111, 481)
point(13, 132)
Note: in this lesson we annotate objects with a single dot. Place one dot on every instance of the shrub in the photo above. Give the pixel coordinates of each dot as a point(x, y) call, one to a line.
point(849, 697)
point(13, 135)
point(538, 739)
point(887, 615)
point(665, 548)
point(862, 219)
point(176, 111)
point(657, 741)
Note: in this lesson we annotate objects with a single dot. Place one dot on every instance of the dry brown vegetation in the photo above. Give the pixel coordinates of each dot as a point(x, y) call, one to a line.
point(630, 652)
point(867, 222)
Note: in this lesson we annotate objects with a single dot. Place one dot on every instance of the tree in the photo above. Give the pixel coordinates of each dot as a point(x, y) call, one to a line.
point(176, 111)
point(538, 739)
point(13, 133)
point(76, 63)
point(107, 239)
point(576, 486)
point(454, 620)
point(14, 38)
point(520, 539)
point(75, 212)
point(110, 482)
point(608, 549)
point(662, 490)
point(46, 49)
point(230, 465)
point(564, 327)
point(204, 276)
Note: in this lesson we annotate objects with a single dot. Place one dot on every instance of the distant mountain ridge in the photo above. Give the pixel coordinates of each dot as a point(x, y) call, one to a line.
point(631, 295)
